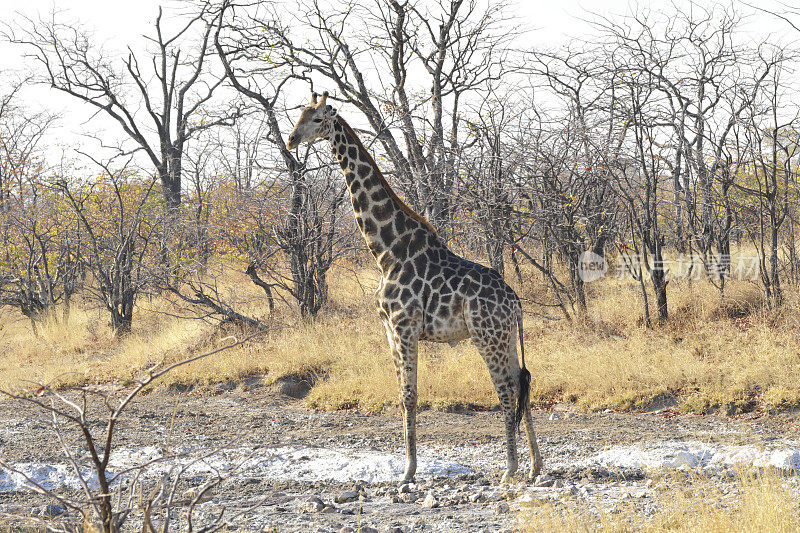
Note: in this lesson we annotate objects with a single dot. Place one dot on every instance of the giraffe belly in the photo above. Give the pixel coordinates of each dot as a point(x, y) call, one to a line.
point(452, 331)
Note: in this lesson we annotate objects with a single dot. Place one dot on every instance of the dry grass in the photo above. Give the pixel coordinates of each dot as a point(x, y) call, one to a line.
point(756, 502)
point(701, 356)
point(712, 353)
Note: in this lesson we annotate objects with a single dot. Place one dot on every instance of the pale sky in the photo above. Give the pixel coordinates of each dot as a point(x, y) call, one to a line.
point(116, 23)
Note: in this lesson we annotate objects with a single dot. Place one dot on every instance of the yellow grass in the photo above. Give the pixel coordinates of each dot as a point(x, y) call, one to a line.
point(710, 354)
point(756, 502)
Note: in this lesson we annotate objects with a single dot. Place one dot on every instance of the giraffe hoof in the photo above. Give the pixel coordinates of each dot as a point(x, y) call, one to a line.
point(508, 476)
point(404, 485)
point(536, 469)
point(408, 477)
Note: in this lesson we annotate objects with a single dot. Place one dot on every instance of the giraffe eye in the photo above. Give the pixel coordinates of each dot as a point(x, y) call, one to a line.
point(317, 120)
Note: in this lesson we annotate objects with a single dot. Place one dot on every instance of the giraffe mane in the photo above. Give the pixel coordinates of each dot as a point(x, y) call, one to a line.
point(393, 195)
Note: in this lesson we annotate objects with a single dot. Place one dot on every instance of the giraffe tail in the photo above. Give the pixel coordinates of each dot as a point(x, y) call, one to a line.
point(523, 397)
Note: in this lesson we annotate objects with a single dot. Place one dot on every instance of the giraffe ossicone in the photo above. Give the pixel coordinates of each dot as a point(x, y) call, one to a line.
point(426, 292)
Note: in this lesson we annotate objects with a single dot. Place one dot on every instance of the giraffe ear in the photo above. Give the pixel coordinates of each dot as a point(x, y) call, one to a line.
point(330, 112)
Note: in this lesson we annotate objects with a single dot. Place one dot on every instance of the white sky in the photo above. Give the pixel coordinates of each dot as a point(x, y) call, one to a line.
point(118, 22)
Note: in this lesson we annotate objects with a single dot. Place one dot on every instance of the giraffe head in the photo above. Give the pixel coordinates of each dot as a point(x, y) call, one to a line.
point(315, 122)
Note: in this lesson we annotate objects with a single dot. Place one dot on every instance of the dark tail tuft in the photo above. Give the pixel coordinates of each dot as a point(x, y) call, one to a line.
point(524, 395)
point(524, 377)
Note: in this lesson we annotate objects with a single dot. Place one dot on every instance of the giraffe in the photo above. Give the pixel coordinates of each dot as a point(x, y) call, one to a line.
point(426, 292)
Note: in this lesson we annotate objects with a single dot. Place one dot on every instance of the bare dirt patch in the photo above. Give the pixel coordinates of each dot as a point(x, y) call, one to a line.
point(331, 470)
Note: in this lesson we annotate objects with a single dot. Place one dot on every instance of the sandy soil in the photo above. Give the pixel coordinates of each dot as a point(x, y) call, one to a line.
point(288, 468)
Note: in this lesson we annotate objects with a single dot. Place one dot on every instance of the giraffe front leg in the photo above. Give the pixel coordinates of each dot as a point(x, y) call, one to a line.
point(408, 404)
point(399, 369)
point(404, 347)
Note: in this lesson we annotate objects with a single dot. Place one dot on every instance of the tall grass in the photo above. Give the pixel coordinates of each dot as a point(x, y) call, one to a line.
point(732, 353)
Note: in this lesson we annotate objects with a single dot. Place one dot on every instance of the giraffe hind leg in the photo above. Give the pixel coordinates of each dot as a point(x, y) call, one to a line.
point(505, 392)
point(495, 353)
point(525, 408)
point(533, 446)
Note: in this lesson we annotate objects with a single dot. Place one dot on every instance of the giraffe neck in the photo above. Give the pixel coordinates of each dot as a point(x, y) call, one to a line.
point(393, 232)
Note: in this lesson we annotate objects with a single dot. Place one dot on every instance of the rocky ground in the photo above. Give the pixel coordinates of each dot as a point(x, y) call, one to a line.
point(286, 468)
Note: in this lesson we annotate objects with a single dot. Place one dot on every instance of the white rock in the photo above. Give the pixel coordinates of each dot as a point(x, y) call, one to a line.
point(527, 498)
point(430, 501)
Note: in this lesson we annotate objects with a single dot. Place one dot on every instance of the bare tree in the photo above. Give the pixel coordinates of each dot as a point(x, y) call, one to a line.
point(40, 258)
point(159, 98)
point(242, 149)
point(308, 236)
point(21, 133)
point(458, 45)
point(641, 180)
point(772, 148)
point(577, 131)
point(120, 230)
point(488, 162)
